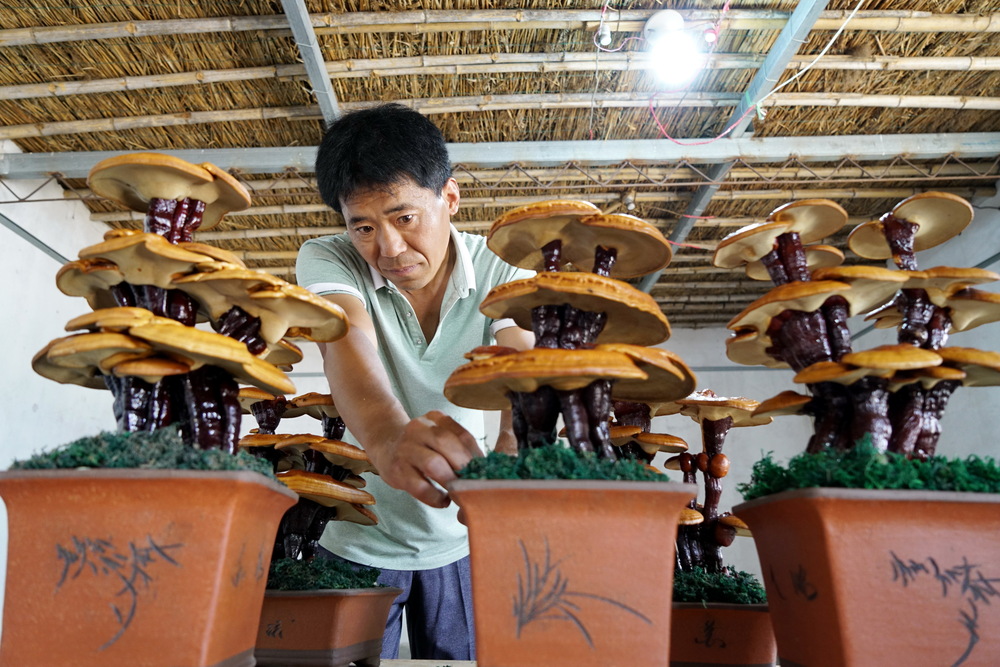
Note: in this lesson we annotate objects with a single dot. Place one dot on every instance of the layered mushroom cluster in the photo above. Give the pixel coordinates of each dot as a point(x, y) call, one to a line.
point(322, 469)
point(592, 333)
point(896, 393)
point(150, 288)
point(704, 529)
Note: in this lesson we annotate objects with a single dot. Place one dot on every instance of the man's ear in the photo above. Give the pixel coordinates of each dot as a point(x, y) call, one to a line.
point(451, 195)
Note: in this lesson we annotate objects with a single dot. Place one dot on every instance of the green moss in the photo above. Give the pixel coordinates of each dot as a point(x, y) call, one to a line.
point(288, 574)
point(730, 585)
point(556, 462)
point(162, 449)
point(863, 467)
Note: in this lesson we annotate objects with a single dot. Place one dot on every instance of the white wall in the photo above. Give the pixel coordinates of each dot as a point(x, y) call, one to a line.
point(37, 413)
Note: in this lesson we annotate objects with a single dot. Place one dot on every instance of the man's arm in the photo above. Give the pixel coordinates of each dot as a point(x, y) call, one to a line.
point(519, 339)
point(407, 453)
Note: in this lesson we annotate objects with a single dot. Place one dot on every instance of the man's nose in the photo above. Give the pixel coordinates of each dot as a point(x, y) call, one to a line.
point(391, 243)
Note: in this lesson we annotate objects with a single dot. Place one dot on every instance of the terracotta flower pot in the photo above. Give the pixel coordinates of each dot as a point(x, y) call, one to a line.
point(721, 634)
point(880, 577)
point(323, 628)
point(571, 572)
point(136, 567)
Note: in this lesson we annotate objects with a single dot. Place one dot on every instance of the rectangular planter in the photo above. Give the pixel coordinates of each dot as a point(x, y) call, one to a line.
point(151, 568)
point(323, 628)
point(574, 573)
point(861, 577)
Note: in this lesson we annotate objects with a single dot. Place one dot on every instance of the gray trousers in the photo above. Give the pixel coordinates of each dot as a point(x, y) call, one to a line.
point(438, 606)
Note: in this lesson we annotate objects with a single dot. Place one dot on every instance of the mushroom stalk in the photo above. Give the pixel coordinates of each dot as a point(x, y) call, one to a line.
point(240, 325)
point(566, 327)
point(211, 396)
point(604, 260)
point(935, 401)
point(915, 413)
point(174, 219)
point(917, 312)
point(832, 413)
point(870, 397)
point(900, 234)
point(552, 255)
point(577, 420)
point(713, 433)
point(629, 413)
point(268, 413)
point(800, 338)
point(689, 553)
point(835, 313)
point(333, 427)
point(786, 262)
point(535, 415)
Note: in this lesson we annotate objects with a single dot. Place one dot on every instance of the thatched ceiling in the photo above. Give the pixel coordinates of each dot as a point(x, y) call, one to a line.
point(77, 78)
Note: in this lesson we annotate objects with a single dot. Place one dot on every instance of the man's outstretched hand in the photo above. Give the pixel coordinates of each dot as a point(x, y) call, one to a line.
point(428, 450)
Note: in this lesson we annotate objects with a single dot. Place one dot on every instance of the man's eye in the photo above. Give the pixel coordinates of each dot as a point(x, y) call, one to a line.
point(364, 230)
point(406, 219)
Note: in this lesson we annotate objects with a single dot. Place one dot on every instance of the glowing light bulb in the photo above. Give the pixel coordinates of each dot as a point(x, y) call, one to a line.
point(676, 60)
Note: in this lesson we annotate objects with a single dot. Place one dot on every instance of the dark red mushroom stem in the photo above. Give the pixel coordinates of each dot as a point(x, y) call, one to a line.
point(174, 219)
point(535, 416)
point(915, 414)
point(566, 327)
point(333, 427)
point(835, 312)
point(294, 526)
point(918, 311)
point(604, 260)
point(585, 413)
point(799, 338)
point(689, 554)
point(786, 262)
point(900, 235)
point(268, 413)
point(714, 465)
point(211, 397)
point(240, 325)
point(552, 255)
point(832, 411)
point(870, 401)
point(629, 413)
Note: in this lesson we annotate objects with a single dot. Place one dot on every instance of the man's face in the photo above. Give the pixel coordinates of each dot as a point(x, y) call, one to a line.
point(403, 231)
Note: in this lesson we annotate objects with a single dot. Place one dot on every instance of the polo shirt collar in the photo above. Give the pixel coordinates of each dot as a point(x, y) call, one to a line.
point(463, 278)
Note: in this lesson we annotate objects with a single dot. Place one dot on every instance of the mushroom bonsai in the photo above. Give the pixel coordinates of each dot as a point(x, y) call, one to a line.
point(715, 606)
point(177, 552)
point(876, 423)
point(319, 610)
point(539, 536)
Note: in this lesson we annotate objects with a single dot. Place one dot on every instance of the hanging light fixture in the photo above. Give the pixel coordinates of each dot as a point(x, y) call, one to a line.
point(675, 53)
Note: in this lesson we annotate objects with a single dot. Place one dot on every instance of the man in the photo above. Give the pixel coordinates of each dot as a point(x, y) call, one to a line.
point(411, 287)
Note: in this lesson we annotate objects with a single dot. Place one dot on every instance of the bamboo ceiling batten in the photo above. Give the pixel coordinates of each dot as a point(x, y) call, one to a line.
point(903, 101)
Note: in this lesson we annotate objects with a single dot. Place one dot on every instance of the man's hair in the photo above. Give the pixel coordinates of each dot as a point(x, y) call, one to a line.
point(377, 148)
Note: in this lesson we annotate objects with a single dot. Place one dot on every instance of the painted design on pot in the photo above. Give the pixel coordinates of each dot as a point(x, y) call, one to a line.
point(966, 577)
point(800, 584)
point(542, 594)
point(128, 565)
point(708, 637)
point(259, 568)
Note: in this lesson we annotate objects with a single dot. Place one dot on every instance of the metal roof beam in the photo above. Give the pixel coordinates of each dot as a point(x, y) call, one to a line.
point(312, 58)
point(554, 153)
